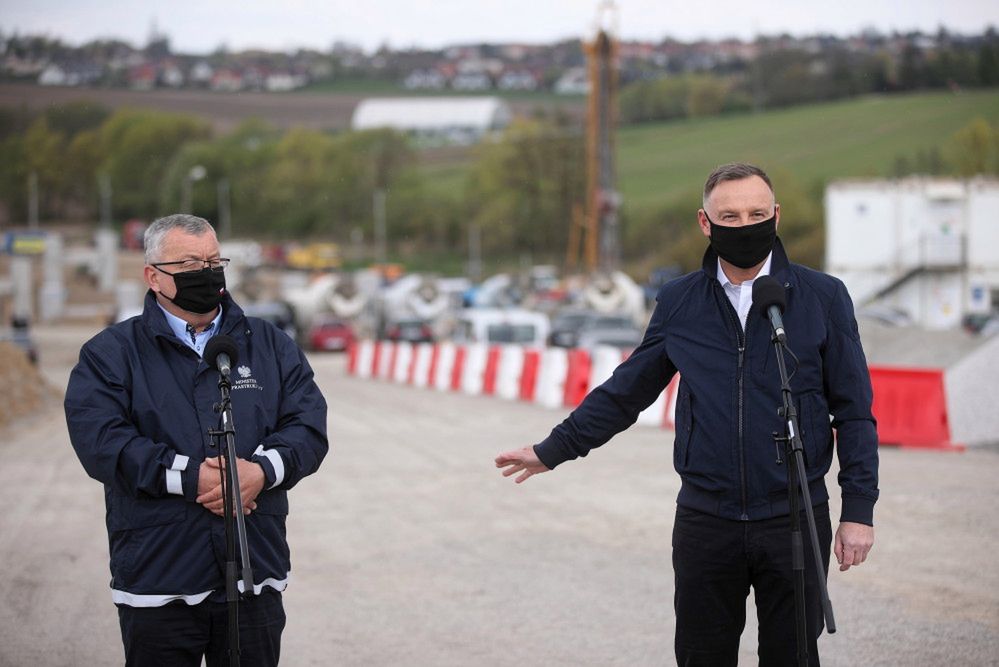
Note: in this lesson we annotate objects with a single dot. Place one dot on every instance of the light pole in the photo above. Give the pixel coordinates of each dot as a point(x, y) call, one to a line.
point(196, 173)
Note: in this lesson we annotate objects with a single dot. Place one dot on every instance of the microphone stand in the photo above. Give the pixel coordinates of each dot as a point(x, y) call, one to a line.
point(797, 479)
point(232, 508)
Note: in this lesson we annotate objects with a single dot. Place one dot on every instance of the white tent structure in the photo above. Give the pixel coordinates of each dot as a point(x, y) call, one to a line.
point(452, 119)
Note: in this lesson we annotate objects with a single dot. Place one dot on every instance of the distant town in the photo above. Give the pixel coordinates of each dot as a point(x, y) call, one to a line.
point(556, 68)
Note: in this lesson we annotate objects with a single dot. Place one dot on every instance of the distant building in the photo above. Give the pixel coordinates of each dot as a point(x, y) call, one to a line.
point(70, 74)
point(227, 80)
point(573, 82)
point(923, 247)
point(425, 79)
point(460, 120)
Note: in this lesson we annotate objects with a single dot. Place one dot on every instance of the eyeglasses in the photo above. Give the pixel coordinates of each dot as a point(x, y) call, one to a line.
point(188, 265)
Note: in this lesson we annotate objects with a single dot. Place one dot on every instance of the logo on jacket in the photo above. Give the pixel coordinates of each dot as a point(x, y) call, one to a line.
point(246, 379)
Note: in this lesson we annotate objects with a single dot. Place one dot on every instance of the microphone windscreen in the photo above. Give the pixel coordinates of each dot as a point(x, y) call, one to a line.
point(220, 345)
point(767, 291)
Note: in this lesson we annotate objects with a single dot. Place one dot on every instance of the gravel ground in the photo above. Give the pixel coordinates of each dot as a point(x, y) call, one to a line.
point(408, 547)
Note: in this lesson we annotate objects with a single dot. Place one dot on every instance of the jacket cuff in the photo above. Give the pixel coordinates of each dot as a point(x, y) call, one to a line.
point(551, 452)
point(857, 509)
point(272, 463)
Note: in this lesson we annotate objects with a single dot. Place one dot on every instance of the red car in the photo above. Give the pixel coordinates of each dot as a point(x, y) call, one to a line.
point(331, 335)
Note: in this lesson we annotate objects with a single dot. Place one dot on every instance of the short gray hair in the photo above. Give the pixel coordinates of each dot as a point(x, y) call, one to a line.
point(152, 241)
point(735, 171)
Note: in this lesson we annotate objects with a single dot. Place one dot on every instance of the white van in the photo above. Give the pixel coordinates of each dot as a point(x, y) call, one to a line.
point(497, 326)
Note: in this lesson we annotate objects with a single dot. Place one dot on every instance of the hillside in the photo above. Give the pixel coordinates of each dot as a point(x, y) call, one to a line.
point(659, 163)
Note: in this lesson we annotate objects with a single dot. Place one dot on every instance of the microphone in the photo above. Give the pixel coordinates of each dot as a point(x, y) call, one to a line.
point(769, 294)
point(222, 353)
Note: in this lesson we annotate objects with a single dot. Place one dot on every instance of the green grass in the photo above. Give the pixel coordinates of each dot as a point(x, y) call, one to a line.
point(659, 163)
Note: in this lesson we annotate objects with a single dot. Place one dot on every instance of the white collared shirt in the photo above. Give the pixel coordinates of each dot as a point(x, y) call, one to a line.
point(741, 296)
point(186, 333)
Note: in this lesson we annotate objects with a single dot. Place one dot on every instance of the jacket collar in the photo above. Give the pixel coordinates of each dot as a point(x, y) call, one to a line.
point(779, 263)
point(152, 316)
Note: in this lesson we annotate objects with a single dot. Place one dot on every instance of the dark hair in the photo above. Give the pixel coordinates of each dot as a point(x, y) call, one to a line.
point(736, 171)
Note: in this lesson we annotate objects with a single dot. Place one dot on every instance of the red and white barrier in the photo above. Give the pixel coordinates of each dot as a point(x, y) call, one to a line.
point(909, 404)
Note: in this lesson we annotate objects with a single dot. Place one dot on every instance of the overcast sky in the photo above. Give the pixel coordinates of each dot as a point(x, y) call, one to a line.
point(200, 26)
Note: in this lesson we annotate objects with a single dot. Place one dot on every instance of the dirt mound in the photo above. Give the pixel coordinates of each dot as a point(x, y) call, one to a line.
point(23, 391)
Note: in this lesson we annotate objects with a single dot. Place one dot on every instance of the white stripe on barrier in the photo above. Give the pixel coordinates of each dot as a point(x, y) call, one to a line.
point(476, 355)
point(421, 368)
point(603, 360)
point(365, 355)
point(403, 355)
point(384, 370)
point(550, 389)
point(445, 364)
point(511, 365)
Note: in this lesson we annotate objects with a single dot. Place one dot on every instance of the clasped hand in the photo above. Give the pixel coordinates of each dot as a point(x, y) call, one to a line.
point(251, 483)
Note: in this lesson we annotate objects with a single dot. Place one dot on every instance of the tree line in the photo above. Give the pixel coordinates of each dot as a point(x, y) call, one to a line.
point(781, 77)
point(296, 184)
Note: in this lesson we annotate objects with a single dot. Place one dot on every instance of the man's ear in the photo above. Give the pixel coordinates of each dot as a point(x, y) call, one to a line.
point(777, 215)
point(702, 222)
point(152, 280)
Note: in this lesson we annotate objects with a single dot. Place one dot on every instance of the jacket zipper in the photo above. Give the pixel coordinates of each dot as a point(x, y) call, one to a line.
point(741, 340)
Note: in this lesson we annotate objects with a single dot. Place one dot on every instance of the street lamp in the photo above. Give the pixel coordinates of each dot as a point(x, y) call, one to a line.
point(196, 173)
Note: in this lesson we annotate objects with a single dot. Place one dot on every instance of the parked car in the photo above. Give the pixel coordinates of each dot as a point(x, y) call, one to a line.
point(623, 338)
point(331, 334)
point(410, 331)
point(570, 325)
point(277, 313)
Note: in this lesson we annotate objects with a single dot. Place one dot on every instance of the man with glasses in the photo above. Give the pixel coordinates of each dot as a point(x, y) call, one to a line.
point(139, 406)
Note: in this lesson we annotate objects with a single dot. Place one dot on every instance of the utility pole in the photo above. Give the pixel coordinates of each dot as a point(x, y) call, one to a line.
point(33, 200)
point(381, 251)
point(225, 212)
point(104, 186)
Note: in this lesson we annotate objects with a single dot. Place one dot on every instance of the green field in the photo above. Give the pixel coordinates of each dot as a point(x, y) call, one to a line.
point(658, 163)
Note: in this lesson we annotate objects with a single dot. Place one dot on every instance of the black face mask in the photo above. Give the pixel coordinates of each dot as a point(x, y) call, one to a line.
point(198, 291)
point(744, 246)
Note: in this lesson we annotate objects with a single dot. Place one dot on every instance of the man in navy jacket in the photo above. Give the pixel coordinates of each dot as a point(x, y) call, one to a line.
point(731, 529)
point(139, 406)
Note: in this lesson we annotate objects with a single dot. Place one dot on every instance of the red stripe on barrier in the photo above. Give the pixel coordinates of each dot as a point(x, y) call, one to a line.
point(492, 368)
point(376, 357)
point(432, 371)
point(577, 378)
point(911, 408)
point(393, 357)
point(459, 366)
point(529, 374)
point(411, 371)
point(668, 416)
point(352, 349)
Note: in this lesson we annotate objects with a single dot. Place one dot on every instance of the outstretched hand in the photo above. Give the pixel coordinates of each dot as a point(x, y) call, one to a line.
point(523, 461)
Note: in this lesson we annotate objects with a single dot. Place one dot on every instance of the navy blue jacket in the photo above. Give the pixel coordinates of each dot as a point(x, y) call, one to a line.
point(140, 403)
point(729, 393)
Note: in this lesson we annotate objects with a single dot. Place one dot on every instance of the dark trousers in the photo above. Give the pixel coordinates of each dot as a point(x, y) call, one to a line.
point(716, 561)
point(179, 635)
